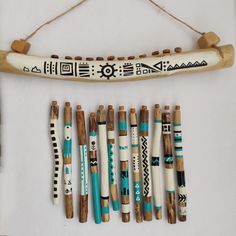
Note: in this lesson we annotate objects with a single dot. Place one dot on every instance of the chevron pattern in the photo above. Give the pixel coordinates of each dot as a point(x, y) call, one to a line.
point(146, 170)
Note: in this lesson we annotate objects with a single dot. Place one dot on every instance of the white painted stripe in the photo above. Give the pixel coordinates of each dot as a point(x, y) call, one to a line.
point(125, 208)
point(183, 211)
point(169, 179)
point(93, 143)
point(156, 144)
point(177, 128)
point(177, 153)
point(182, 190)
point(178, 144)
point(135, 157)
point(156, 184)
point(123, 148)
point(134, 135)
point(111, 134)
point(102, 138)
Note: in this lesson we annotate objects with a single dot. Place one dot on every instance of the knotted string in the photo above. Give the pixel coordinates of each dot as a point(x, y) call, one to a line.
point(82, 1)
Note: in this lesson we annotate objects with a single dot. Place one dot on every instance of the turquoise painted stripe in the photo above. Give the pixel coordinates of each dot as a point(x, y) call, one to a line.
point(177, 124)
point(124, 182)
point(111, 164)
point(179, 149)
point(115, 205)
point(105, 210)
point(122, 125)
point(179, 140)
point(157, 121)
point(84, 166)
point(93, 133)
point(147, 206)
point(123, 147)
point(67, 148)
point(179, 156)
point(158, 207)
point(96, 198)
point(137, 191)
point(67, 124)
point(135, 145)
point(143, 126)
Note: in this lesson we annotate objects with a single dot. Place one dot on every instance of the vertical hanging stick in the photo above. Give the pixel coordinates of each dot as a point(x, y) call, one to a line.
point(94, 167)
point(169, 167)
point(81, 132)
point(68, 160)
point(146, 172)
point(182, 194)
point(111, 156)
point(136, 168)
point(102, 138)
point(124, 164)
point(58, 160)
point(156, 148)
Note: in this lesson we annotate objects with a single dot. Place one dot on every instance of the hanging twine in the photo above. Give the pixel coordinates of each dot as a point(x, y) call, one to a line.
point(82, 1)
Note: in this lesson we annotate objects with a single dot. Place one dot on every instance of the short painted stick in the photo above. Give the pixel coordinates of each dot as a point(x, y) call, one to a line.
point(111, 156)
point(82, 139)
point(136, 167)
point(124, 164)
point(68, 160)
point(94, 168)
point(182, 194)
point(169, 165)
point(58, 159)
point(102, 138)
point(156, 153)
point(146, 167)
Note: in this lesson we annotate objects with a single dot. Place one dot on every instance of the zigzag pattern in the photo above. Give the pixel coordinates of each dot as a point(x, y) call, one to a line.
point(146, 173)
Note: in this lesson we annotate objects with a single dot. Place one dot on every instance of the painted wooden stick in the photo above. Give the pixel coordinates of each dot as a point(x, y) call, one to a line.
point(124, 164)
point(131, 69)
point(82, 138)
point(94, 168)
point(111, 156)
point(146, 167)
point(169, 165)
point(102, 138)
point(182, 194)
point(136, 167)
point(68, 160)
point(156, 153)
point(58, 159)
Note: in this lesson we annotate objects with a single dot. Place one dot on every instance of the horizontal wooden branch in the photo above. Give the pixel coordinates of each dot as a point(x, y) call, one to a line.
point(154, 66)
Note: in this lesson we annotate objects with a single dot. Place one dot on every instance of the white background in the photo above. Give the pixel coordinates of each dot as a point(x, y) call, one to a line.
point(122, 28)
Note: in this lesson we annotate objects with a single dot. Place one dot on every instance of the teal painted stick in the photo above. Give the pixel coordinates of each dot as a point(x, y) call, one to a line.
point(94, 168)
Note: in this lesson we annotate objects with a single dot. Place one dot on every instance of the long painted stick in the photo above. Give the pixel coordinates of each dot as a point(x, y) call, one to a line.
point(94, 168)
point(111, 156)
point(136, 167)
point(124, 164)
point(102, 138)
point(156, 153)
point(58, 159)
point(68, 160)
point(182, 194)
point(169, 165)
point(82, 138)
point(154, 66)
point(146, 166)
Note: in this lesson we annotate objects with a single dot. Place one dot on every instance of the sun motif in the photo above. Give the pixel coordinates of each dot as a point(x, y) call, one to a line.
point(107, 71)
